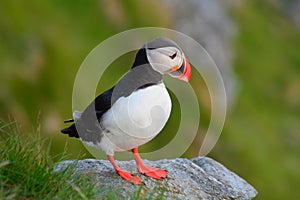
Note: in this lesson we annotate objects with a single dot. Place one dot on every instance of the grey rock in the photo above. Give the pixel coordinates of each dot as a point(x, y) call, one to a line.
point(198, 178)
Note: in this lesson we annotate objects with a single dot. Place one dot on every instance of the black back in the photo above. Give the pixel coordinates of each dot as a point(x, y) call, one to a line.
point(140, 76)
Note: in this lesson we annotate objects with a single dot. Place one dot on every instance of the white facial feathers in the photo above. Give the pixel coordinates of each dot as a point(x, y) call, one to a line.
point(164, 59)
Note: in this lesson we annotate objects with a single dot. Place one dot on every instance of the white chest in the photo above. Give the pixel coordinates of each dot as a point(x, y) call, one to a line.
point(136, 119)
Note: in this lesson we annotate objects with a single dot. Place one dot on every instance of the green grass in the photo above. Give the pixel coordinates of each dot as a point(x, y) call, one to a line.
point(43, 44)
point(27, 172)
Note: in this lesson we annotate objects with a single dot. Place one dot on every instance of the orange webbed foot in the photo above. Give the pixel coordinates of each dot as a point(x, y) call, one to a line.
point(152, 172)
point(129, 177)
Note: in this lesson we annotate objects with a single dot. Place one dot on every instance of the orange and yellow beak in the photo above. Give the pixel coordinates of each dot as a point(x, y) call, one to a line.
point(184, 72)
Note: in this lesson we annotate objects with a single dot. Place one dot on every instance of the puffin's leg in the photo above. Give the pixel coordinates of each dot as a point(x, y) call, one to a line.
point(124, 174)
point(147, 170)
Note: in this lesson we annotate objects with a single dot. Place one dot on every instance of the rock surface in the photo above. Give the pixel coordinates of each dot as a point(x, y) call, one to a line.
point(198, 178)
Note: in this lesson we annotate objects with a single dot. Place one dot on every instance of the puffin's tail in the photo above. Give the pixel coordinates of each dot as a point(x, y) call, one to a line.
point(71, 131)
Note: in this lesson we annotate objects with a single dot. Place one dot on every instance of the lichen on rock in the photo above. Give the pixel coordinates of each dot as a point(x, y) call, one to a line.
point(198, 178)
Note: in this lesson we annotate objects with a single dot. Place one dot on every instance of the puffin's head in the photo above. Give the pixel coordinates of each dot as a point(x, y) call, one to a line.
point(166, 57)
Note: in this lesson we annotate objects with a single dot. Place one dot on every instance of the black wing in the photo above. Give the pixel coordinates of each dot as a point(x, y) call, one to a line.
point(71, 131)
point(100, 105)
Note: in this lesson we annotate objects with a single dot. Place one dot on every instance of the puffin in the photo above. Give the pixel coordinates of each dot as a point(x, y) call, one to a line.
point(135, 109)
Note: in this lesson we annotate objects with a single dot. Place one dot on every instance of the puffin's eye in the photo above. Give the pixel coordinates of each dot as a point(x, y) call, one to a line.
point(173, 56)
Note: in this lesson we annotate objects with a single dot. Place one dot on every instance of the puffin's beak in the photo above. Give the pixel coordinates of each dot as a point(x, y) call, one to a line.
point(183, 72)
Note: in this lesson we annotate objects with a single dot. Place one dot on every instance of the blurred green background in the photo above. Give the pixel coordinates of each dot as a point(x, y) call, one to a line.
point(42, 44)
